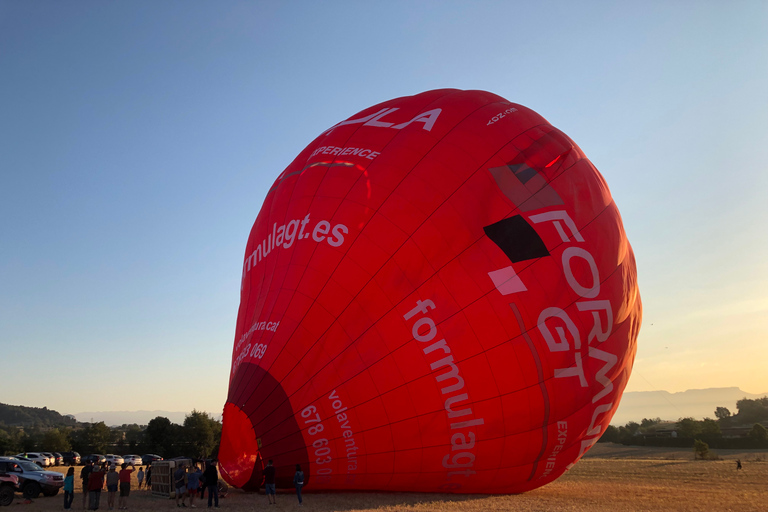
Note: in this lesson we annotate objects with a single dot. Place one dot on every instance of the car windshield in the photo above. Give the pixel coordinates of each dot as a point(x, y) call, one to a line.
point(29, 466)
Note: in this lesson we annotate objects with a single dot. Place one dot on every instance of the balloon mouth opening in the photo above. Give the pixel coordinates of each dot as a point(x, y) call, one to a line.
point(241, 461)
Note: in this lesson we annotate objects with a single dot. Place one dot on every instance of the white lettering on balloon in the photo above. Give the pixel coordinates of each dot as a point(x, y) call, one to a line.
point(425, 119)
point(286, 235)
point(461, 459)
point(558, 319)
point(345, 151)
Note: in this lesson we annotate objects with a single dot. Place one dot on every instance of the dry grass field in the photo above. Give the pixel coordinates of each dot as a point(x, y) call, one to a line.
point(610, 478)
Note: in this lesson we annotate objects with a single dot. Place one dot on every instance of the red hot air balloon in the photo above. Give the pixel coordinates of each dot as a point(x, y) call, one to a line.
point(437, 295)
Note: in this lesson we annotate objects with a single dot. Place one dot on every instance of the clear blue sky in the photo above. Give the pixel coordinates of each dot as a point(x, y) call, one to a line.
point(138, 139)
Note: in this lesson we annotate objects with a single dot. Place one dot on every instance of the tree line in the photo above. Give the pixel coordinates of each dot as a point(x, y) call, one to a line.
point(21, 416)
point(198, 436)
point(743, 430)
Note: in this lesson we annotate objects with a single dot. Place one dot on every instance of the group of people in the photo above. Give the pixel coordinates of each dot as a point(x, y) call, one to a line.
point(188, 481)
point(93, 478)
point(269, 482)
point(191, 480)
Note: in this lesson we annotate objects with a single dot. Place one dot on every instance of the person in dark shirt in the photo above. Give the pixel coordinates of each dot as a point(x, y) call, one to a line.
point(95, 484)
point(298, 481)
point(84, 473)
point(269, 482)
point(211, 477)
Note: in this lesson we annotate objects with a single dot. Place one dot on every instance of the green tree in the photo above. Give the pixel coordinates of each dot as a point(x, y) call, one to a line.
point(688, 428)
point(758, 432)
point(31, 439)
point(752, 411)
point(55, 440)
point(79, 439)
point(611, 435)
point(649, 422)
point(98, 437)
point(700, 449)
point(134, 436)
point(159, 436)
point(722, 413)
point(200, 433)
point(10, 441)
point(710, 428)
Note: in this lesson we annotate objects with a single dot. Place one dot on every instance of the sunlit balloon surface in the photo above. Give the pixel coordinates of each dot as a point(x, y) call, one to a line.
point(437, 295)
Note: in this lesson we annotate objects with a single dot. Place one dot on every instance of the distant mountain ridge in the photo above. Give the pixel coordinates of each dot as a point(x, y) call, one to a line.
point(634, 406)
point(694, 403)
point(117, 418)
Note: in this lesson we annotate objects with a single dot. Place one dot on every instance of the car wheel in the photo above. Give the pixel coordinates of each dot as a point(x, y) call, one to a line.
point(6, 495)
point(51, 493)
point(31, 490)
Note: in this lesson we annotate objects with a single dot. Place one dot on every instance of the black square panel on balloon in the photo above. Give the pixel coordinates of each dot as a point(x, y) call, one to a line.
point(517, 239)
point(522, 171)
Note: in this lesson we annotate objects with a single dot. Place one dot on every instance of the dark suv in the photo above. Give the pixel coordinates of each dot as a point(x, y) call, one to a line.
point(149, 458)
point(96, 458)
point(71, 458)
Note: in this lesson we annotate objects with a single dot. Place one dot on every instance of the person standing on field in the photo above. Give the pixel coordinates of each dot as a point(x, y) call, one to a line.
point(84, 474)
point(298, 481)
point(95, 484)
point(148, 486)
point(140, 476)
point(69, 488)
point(269, 482)
point(193, 482)
point(112, 480)
point(180, 480)
point(212, 482)
point(125, 484)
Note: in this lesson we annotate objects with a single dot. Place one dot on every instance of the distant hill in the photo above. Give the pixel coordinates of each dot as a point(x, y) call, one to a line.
point(694, 403)
point(21, 416)
point(117, 418)
point(635, 405)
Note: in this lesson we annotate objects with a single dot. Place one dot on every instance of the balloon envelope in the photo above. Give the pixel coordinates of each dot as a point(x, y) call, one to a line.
point(437, 295)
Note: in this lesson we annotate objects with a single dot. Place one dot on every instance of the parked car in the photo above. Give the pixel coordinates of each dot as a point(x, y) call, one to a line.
point(37, 458)
point(149, 458)
point(32, 478)
point(71, 458)
point(51, 458)
point(96, 458)
point(59, 458)
point(113, 460)
point(133, 459)
point(9, 484)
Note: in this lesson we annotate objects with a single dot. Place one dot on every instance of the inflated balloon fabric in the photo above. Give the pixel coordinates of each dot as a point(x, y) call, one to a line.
point(437, 295)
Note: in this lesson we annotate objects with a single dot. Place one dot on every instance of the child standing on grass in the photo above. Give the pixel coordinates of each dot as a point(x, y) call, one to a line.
point(140, 476)
point(69, 488)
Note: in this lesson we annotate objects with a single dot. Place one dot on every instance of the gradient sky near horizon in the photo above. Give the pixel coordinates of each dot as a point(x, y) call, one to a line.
point(138, 140)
